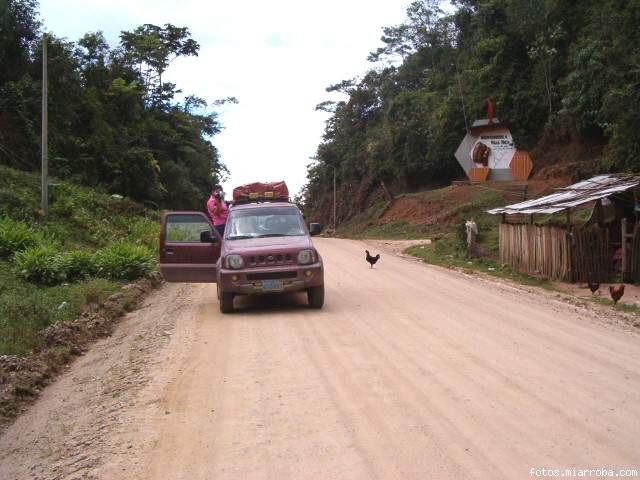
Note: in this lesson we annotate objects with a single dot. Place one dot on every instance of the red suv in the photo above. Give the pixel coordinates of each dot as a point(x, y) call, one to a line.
point(267, 248)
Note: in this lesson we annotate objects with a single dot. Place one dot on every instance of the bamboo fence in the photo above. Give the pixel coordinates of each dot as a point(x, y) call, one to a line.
point(538, 250)
point(635, 253)
point(592, 252)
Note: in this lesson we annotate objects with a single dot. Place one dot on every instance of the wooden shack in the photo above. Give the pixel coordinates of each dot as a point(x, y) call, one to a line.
point(604, 242)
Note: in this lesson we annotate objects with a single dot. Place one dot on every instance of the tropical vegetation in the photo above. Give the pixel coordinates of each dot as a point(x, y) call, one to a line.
point(115, 123)
point(557, 70)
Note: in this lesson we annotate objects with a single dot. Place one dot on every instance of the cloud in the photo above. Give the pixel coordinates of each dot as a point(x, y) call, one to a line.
point(276, 57)
point(275, 40)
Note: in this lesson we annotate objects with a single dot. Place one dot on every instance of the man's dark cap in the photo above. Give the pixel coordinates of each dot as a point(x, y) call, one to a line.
point(216, 187)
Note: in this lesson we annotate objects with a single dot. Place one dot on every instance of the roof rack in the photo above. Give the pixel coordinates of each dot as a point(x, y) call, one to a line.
point(246, 201)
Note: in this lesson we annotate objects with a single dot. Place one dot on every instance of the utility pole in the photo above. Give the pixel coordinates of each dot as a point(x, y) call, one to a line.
point(464, 110)
point(45, 133)
point(334, 198)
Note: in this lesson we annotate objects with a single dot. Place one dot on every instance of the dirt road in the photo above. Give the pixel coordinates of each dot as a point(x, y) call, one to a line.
point(409, 371)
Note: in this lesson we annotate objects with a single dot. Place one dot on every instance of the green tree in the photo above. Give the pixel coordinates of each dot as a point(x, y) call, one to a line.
point(152, 49)
point(556, 69)
point(113, 123)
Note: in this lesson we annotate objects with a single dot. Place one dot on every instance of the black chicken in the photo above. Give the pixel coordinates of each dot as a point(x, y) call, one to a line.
point(370, 259)
point(594, 287)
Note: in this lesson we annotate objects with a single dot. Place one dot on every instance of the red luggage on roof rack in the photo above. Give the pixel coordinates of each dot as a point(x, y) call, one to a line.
point(261, 192)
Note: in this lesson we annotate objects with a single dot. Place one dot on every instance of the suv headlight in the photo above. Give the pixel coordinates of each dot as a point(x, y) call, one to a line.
point(305, 257)
point(234, 261)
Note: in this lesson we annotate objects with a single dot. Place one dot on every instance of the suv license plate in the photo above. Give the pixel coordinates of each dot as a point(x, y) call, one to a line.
point(272, 285)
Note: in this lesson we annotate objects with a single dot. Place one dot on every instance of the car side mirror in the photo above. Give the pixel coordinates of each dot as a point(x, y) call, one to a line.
point(207, 236)
point(314, 228)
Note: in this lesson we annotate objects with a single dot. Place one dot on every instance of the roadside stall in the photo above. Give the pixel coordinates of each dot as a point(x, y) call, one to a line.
point(604, 240)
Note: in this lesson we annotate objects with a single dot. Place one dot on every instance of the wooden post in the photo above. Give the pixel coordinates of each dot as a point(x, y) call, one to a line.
point(472, 232)
point(44, 201)
point(569, 241)
point(334, 198)
point(387, 194)
point(623, 222)
point(464, 110)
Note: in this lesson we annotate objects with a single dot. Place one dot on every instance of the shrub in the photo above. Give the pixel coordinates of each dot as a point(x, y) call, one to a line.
point(124, 261)
point(46, 265)
point(145, 232)
point(63, 207)
point(78, 265)
point(41, 264)
point(16, 237)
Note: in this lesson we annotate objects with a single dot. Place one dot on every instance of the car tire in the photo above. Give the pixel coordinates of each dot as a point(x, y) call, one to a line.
point(315, 295)
point(226, 301)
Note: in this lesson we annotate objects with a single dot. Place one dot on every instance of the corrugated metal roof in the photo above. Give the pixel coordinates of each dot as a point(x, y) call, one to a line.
point(577, 194)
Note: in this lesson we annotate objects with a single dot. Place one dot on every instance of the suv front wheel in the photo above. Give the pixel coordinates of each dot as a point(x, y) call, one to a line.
point(315, 295)
point(226, 301)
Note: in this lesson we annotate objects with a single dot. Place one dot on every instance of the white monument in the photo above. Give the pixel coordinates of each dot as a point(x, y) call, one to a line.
point(487, 152)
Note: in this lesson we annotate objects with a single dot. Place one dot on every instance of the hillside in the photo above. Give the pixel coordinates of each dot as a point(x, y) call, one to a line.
point(563, 76)
point(52, 268)
point(115, 123)
point(438, 216)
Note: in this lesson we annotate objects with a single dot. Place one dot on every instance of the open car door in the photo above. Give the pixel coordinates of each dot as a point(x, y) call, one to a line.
point(189, 247)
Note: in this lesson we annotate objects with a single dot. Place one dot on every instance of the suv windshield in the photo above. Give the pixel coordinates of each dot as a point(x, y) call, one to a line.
point(264, 222)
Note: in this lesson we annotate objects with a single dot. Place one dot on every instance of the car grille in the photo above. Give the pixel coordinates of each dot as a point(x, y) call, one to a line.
point(270, 259)
point(271, 275)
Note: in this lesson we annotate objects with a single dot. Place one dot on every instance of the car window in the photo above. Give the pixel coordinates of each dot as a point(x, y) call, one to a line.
point(185, 228)
point(264, 222)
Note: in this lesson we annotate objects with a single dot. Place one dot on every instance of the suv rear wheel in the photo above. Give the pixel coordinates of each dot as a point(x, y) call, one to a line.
point(226, 301)
point(315, 295)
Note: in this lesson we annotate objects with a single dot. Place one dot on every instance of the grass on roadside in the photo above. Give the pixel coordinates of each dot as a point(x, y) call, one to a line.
point(625, 307)
point(49, 266)
point(450, 254)
point(25, 308)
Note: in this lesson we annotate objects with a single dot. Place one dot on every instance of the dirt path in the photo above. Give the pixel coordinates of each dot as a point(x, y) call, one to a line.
point(409, 371)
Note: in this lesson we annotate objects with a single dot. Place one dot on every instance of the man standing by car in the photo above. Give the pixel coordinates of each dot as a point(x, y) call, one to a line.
point(217, 208)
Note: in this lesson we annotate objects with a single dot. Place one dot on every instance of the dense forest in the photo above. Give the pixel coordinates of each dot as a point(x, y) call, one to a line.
point(114, 123)
point(557, 70)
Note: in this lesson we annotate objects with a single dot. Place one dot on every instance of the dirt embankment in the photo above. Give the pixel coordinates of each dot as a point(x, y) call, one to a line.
point(86, 416)
point(441, 207)
point(556, 164)
point(566, 161)
point(23, 378)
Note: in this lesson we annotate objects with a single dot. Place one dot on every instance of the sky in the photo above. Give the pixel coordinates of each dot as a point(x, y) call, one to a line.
point(276, 57)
